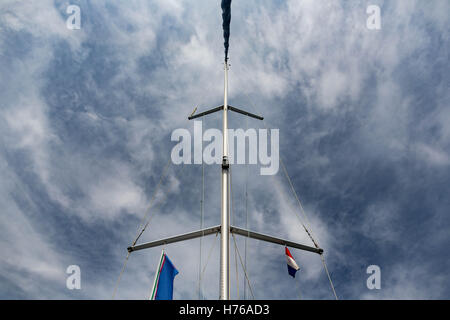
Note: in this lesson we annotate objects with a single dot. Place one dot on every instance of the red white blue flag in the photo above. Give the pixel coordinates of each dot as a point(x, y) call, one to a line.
point(291, 264)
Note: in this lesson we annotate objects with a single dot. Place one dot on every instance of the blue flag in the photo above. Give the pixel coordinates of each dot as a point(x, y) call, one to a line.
point(165, 274)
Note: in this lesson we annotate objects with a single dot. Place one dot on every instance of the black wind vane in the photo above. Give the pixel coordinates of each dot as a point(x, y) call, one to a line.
point(226, 17)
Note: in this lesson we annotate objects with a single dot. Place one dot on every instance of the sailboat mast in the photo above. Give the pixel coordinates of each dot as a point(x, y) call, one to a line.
point(225, 212)
point(224, 228)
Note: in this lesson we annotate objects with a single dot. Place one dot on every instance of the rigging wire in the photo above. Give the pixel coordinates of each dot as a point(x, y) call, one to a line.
point(237, 271)
point(201, 228)
point(234, 239)
point(304, 224)
point(307, 226)
point(328, 274)
point(141, 231)
point(246, 214)
point(151, 203)
point(120, 275)
point(233, 222)
point(245, 271)
point(209, 255)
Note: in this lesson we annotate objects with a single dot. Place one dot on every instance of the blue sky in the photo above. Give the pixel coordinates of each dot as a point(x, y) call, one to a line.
point(86, 117)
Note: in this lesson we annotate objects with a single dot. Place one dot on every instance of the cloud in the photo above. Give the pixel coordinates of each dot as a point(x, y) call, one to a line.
point(86, 117)
point(432, 155)
point(29, 260)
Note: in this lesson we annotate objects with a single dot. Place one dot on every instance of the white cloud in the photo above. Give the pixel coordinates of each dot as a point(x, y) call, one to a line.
point(433, 155)
point(321, 50)
point(28, 258)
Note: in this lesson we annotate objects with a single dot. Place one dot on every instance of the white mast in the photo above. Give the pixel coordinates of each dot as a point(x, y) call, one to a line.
point(225, 212)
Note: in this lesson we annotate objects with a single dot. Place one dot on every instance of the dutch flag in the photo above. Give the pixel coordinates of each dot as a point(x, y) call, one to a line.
point(291, 264)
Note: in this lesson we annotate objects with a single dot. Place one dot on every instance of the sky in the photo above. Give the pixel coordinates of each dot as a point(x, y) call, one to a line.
point(86, 118)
